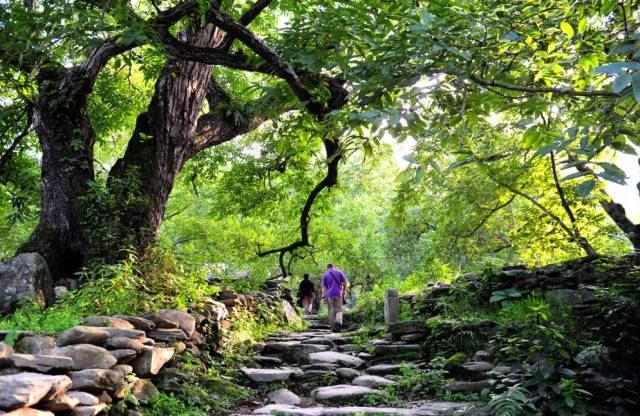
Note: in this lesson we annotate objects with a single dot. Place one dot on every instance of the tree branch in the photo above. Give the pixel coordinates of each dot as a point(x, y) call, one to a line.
point(553, 90)
point(8, 154)
point(586, 246)
point(248, 17)
point(333, 158)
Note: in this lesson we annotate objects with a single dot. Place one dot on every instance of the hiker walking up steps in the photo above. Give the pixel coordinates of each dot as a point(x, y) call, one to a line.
point(306, 294)
point(334, 288)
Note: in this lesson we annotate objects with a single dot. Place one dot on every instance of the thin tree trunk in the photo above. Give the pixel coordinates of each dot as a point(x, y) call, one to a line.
point(584, 243)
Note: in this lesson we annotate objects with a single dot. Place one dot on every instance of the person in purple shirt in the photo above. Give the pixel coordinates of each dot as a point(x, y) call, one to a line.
point(334, 288)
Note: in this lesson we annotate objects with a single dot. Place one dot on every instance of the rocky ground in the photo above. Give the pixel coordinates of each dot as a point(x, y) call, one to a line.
point(318, 372)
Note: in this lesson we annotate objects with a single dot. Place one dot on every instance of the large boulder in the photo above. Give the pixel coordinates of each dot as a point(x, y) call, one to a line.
point(22, 277)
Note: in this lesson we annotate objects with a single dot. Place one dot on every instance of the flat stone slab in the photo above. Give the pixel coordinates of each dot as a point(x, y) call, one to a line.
point(27, 389)
point(284, 396)
point(267, 375)
point(371, 381)
point(478, 366)
point(423, 409)
point(397, 348)
point(408, 327)
point(341, 392)
point(384, 369)
point(40, 363)
point(338, 358)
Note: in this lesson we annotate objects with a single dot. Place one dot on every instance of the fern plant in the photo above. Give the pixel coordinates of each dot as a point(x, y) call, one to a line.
point(514, 401)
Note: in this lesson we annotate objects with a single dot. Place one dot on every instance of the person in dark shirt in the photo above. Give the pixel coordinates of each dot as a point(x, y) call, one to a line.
point(307, 292)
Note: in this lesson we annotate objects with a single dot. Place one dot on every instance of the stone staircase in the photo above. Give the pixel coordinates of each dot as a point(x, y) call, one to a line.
point(330, 378)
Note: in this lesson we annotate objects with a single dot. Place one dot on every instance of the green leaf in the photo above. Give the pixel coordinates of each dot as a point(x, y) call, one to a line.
point(617, 67)
point(582, 25)
point(635, 84)
point(621, 82)
point(585, 188)
point(567, 29)
point(607, 6)
point(573, 176)
point(411, 158)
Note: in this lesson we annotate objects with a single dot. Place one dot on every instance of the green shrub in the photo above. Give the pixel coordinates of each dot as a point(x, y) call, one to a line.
point(127, 288)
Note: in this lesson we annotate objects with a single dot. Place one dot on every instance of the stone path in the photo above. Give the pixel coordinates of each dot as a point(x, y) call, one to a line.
point(331, 378)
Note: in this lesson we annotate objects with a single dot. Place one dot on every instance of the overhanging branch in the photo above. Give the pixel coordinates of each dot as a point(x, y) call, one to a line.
point(333, 158)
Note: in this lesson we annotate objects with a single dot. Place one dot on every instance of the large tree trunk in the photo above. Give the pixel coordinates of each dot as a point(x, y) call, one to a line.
point(162, 142)
point(67, 140)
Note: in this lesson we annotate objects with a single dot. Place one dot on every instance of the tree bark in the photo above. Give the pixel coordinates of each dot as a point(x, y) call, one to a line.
point(66, 138)
point(162, 141)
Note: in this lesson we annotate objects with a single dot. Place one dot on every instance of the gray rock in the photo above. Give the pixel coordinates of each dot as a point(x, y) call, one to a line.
point(85, 356)
point(63, 403)
point(25, 276)
point(477, 366)
point(408, 327)
point(126, 333)
point(371, 381)
point(39, 363)
point(88, 410)
point(161, 320)
point(341, 392)
point(168, 335)
point(292, 316)
point(467, 386)
point(96, 380)
point(216, 311)
point(108, 321)
point(347, 373)
point(570, 297)
point(293, 352)
point(124, 355)
point(267, 375)
point(84, 398)
point(143, 390)
point(365, 355)
point(338, 358)
point(501, 369)
point(83, 335)
point(118, 343)
point(267, 361)
point(384, 369)
point(320, 366)
point(396, 348)
point(35, 344)
point(284, 396)
point(60, 291)
point(186, 322)
point(413, 337)
point(152, 360)
point(138, 322)
point(27, 389)
point(482, 356)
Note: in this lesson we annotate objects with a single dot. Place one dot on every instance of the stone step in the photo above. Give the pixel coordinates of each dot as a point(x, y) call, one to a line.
point(431, 408)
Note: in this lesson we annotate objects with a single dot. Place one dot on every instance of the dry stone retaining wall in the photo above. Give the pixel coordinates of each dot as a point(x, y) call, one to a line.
point(82, 370)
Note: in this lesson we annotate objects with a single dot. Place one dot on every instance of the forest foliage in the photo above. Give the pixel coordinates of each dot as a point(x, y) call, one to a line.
point(509, 133)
